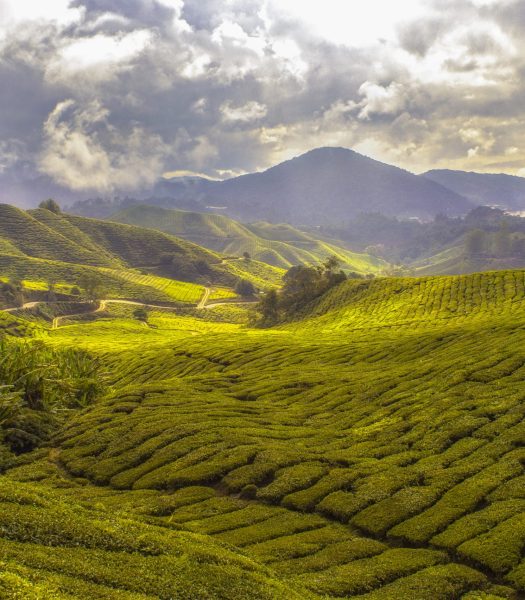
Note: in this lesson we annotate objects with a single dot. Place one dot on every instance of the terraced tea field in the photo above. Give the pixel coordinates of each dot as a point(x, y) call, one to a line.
point(176, 290)
point(372, 449)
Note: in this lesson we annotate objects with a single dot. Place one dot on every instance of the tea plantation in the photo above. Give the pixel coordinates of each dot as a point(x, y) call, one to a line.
point(371, 448)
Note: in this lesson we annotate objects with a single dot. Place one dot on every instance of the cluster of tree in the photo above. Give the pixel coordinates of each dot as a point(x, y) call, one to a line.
point(401, 241)
point(12, 293)
point(50, 205)
point(245, 288)
point(141, 314)
point(179, 267)
point(92, 285)
point(301, 285)
point(501, 244)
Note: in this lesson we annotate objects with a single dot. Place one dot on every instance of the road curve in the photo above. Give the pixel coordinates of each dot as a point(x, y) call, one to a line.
point(215, 303)
point(204, 299)
point(203, 303)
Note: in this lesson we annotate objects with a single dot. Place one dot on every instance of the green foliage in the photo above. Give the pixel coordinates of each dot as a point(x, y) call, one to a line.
point(50, 205)
point(301, 285)
point(12, 293)
point(58, 549)
point(93, 286)
point(36, 383)
point(141, 314)
point(244, 287)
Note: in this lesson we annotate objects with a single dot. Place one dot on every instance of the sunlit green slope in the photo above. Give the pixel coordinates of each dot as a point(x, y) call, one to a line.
point(279, 245)
point(43, 240)
point(372, 448)
point(423, 302)
point(130, 262)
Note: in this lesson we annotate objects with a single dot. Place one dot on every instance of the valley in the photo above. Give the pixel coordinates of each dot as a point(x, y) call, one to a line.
point(369, 447)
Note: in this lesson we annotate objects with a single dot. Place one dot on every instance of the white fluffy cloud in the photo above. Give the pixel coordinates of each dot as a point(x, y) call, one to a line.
point(82, 151)
point(247, 113)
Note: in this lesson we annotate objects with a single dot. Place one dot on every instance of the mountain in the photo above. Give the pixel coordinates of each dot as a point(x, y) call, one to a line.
point(326, 186)
point(330, 185)
point(504, 191)
point(279, 245)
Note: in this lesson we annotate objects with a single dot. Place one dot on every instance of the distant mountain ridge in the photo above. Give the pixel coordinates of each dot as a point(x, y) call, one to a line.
point(324, 186)
point(330, 185)
point(491, 189)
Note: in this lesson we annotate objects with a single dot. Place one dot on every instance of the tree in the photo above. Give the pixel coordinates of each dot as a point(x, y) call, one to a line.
point(51, 292)
point(92, 285)
point(12, 292)
point(243, 287)
point(246, 256)
point(269, 308)
point(303, 284)
point(50, 205)
point(502, 241)
point(475, 242)
point(141, 314)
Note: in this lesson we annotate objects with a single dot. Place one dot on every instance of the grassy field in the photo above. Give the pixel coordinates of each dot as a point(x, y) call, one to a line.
point(372, 448)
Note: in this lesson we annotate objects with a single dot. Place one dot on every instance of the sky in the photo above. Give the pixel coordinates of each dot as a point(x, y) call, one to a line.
point(105, 95)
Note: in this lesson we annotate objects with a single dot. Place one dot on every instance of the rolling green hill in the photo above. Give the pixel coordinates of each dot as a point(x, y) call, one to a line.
point(44, 240)
point(373, 447)
point(54, 548)
point(42, 247)
point(278, 245)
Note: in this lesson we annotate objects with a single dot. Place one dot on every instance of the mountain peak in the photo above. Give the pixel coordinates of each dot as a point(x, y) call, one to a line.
point(330, 185)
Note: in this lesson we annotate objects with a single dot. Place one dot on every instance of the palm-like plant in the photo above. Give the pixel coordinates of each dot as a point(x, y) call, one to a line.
point(38, 385)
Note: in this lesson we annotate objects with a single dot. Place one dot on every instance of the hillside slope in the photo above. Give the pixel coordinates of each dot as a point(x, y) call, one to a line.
point(490, 189)
point(133, 262)
point(418, 301)
point(278, 245)
point(54, 548)
point(43, 239)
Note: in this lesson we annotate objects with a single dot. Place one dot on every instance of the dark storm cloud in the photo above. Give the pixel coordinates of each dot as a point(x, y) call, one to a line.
point(419, 36)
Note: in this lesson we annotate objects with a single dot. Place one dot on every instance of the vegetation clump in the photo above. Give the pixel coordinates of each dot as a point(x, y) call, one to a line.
point(301, 285)
point(38, 385)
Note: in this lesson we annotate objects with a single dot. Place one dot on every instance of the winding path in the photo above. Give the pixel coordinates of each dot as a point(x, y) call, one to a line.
point(204, 299)
point(203, 303)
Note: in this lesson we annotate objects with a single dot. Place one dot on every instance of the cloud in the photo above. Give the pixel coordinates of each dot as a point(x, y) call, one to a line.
point(382, 100)
point(247, 113)
point(104, 94)
point(82, 151)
